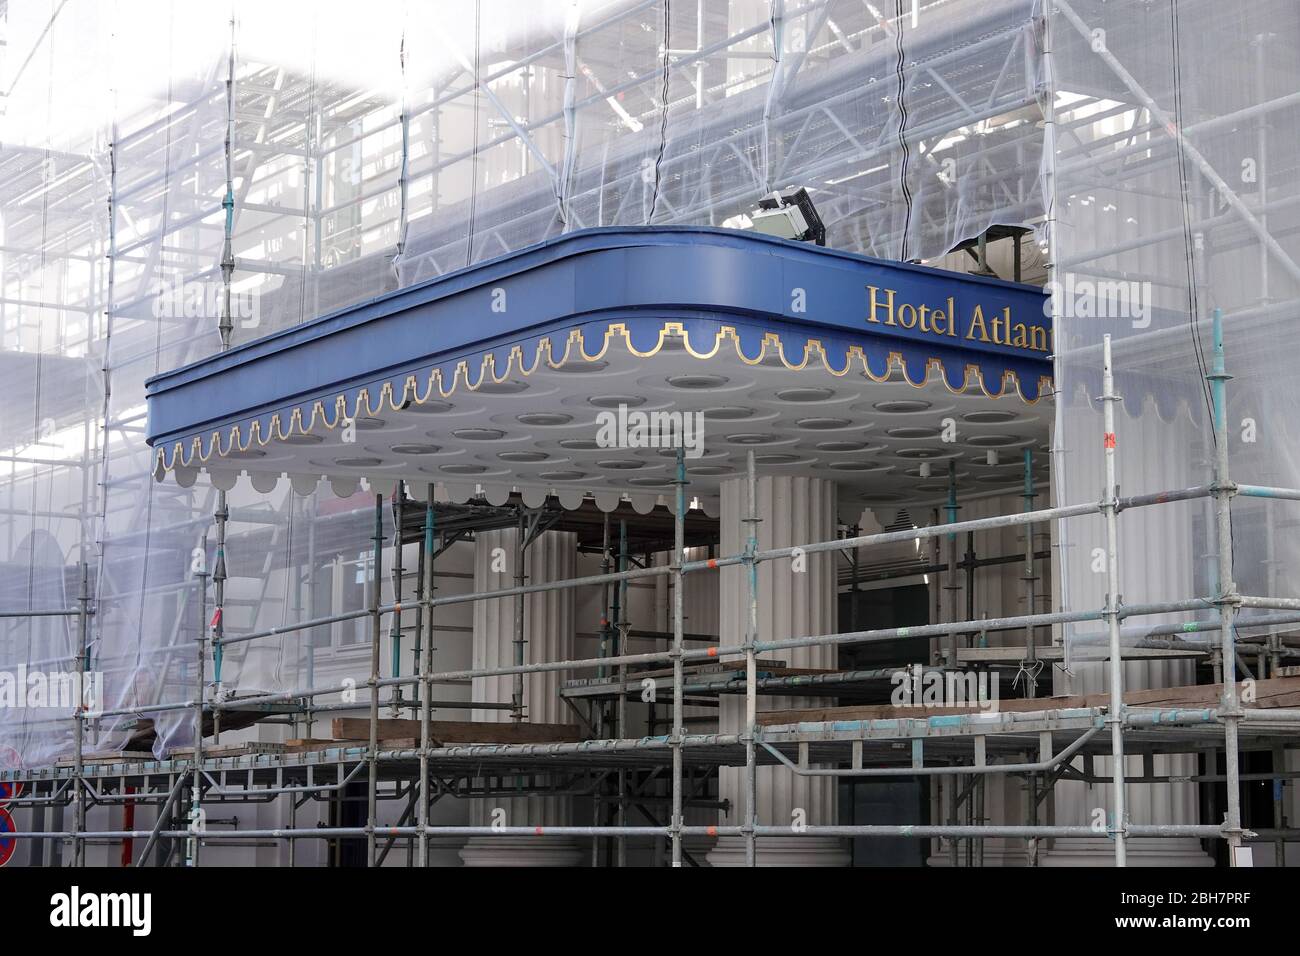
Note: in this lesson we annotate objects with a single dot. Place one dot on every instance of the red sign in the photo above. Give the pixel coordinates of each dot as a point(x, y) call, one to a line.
point(9, 760)
point(6, 846)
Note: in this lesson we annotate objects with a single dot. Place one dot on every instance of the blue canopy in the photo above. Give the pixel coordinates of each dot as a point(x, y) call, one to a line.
point(506, 317)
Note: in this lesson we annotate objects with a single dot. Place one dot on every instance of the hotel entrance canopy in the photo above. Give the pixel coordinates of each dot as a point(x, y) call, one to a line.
point(500, 377)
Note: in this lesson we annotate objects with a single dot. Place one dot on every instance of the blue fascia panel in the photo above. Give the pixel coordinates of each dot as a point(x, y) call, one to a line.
point(640, 276)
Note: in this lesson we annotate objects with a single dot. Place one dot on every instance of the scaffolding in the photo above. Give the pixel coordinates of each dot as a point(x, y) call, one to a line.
point(962, 748)
point(271, 124)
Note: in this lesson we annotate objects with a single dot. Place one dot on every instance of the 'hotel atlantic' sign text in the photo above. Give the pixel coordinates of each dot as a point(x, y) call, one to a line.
point(950, 323)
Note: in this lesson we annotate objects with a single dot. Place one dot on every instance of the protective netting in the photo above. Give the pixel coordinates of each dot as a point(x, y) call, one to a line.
point(1175, 195)
point(313, 155)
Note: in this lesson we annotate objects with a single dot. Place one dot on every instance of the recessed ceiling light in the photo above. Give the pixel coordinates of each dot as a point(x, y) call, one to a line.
point(465, 469)
point(544, 418)
point(983, 461)
point(989, 417)
point(775, 459)
point(727, 413)
point(580, 365)
point(647, 481)
point(620, 464)
point(805, 394)
point(302, 440)
point(368, 424)
point(579, 444)
point(921, 472)
point(614, 401)
point(523, 456)
point(912, 431)
point(920, 453)
point(697, 381)
point(751, 438)
point(502, 388)
point(562, 475)
point(479, 434)
point(428, 408)
point(823, 424)
point(357, 462)
point(414, 448)
point(841, 445)
point(992, 441)
point(901, 406)
point(857, 466)
point(249, 453)
point(710, 470)
point(932, 486)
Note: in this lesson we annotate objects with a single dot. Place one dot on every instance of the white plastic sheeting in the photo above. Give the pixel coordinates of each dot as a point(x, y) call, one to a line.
point(348, 149)
point(1174, 195)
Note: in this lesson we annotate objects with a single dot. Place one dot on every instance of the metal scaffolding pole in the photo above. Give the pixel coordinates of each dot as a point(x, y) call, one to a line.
point(196, 787)
point(1228, 599)
point(517, 691)
point(621, 707)
point(376, 636)
point(426, 687)
point(1115, 716)
point(1030, 667)
point(79, 714)
point(751, 521)
point(395, 626)
point(679, 559)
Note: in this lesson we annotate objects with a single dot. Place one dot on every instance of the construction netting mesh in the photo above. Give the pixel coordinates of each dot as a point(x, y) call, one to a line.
point(1174, 195)
point(327, 152)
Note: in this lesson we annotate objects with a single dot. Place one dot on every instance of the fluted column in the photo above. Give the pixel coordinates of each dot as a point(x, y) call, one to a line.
point(549, 636)
point(792, 603)
point(1156, 563)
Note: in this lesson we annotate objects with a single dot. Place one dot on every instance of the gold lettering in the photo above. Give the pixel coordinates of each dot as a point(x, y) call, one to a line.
point(888, 304)
point(999, 328)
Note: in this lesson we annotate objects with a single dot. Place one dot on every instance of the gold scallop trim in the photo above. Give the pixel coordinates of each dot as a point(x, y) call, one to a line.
point(575, 349)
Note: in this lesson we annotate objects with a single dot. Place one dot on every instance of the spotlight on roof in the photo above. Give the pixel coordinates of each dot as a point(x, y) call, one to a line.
point(789, 215)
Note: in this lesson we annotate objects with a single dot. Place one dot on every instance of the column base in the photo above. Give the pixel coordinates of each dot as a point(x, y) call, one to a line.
point(527, 851)
point(1143, 851)
point(781, 851)
point(998, 851)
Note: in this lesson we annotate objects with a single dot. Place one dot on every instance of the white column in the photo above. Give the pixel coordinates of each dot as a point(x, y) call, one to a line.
point(794, 510)
point(1148, 803)
point(549, 636)
point(1155, 564)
